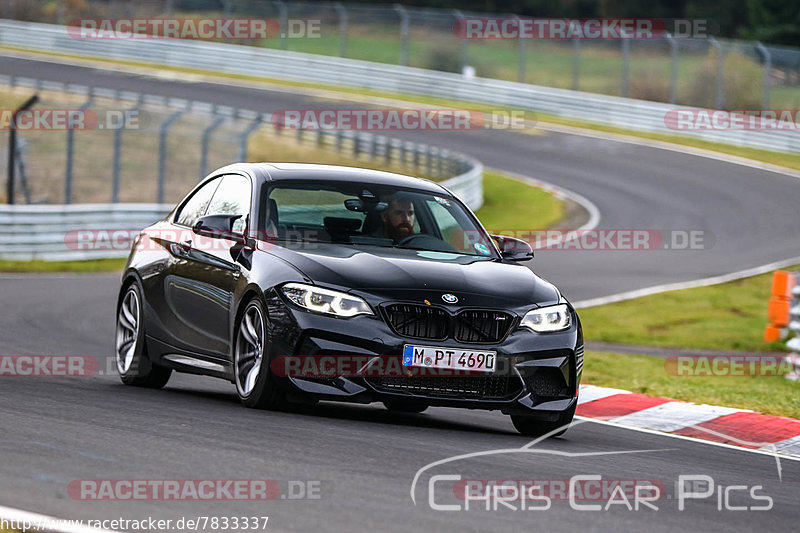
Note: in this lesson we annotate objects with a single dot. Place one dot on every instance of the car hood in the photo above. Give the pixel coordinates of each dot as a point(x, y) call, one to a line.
point(403, 274)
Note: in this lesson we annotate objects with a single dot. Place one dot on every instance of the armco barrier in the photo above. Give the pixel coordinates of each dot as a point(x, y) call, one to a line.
point(42, 231)
point(280, 64)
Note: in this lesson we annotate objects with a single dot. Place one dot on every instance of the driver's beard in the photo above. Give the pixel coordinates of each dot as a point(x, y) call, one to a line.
point(400, 232)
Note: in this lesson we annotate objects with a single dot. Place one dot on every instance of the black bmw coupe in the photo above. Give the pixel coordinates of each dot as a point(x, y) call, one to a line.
point(301, 283)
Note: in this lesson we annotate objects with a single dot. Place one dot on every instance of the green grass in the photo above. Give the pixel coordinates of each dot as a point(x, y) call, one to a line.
point(648, 375)
point(86, 266)
point(729, 316)
point(512, 205)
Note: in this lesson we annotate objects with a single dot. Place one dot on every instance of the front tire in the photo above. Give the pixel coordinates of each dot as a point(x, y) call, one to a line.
point(133, 364)
point(530, 426)
point(255, 383)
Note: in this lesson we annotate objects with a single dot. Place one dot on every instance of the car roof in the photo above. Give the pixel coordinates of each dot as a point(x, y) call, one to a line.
point(275, 172)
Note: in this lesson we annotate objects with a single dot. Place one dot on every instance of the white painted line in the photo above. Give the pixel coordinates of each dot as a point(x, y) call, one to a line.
point(590, 393)
point(767, 451)
point(673, 416)
point(40, 522)
point(791, 446)
point(714, 280)
point(671, 147)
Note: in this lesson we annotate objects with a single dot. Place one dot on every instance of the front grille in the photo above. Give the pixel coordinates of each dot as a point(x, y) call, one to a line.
point(463, 387)
point(482, 326)
point(419, 322)
point(433, 323)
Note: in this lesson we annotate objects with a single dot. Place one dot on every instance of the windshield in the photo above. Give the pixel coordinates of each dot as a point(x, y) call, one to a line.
point(372, 215)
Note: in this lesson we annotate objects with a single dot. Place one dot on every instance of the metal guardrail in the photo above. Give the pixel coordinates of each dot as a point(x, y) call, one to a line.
point(280, 64)
point(52, 232)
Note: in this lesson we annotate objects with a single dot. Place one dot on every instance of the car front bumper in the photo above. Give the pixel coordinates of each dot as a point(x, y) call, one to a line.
point(537, 374)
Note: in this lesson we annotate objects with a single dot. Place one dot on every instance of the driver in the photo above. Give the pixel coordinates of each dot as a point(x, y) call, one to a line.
point(398, 217)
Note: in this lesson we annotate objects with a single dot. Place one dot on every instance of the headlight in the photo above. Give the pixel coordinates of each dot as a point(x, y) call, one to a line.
point(326, 301)
point(552, 318)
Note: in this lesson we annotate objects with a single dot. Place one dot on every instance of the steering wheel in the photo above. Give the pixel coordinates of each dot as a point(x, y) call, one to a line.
point(410, 238)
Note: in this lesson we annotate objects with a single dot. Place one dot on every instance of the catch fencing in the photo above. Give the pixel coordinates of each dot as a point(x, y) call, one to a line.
point(216, 57)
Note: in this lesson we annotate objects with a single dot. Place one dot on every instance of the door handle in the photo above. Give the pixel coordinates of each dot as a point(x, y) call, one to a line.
point(186, 245)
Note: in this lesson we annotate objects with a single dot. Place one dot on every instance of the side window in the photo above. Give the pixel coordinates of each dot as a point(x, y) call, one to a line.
point(195, 207)
point(232, 198)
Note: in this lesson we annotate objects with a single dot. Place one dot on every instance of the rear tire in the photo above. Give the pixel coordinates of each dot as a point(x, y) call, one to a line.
point(255, 383)
point(133, 364)
point(405, 406)
point(530, 426)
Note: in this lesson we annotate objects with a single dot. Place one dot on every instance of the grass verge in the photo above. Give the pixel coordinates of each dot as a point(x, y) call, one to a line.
point(648, 375)
point(791, 161)
point(509, 204)
point(729, 316)
point(85, 266)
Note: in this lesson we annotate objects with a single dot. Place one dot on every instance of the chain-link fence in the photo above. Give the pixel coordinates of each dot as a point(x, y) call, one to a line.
point(79, 144)
point(687, 71)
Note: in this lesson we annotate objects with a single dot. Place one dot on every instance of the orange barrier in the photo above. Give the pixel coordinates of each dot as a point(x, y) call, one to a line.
point(782, 284)
point(779, 304)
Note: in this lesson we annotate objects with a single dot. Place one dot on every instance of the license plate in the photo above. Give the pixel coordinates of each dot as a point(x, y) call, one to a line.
point(448, 358)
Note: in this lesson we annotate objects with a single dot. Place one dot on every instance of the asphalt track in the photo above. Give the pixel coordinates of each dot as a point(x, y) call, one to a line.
point(56, 430)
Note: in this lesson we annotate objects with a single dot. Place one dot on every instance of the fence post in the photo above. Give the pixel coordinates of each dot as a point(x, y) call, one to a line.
point(169, 7)
point(521, 58)
point(71, 153)
point(162, 151)
point(576, 63)
point(204, 140)
point(12, 147)
point(463, 44)
point(626, 60)
point(718, 95)
point(673, 73)
point(117, 157)
point(245, 136)
point(403, 33)
point(342, 12)
point(226, 7)
point(283, 14)
point(387, 154)
point(765, 95)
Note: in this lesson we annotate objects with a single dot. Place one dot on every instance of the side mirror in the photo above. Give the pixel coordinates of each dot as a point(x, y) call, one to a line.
point(218, 226)
point(513, 249)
